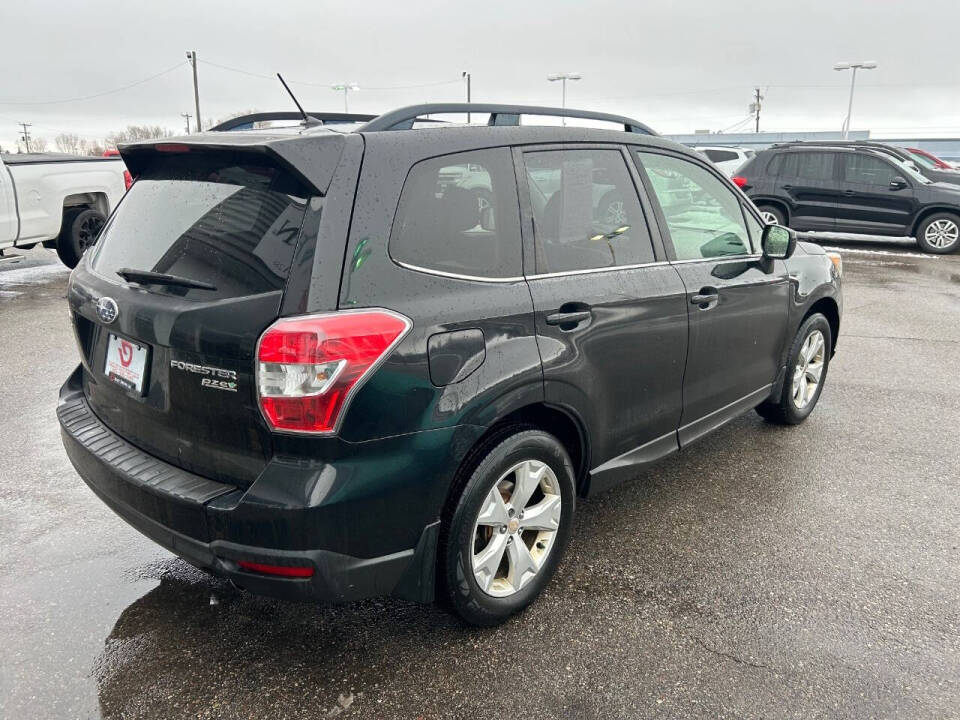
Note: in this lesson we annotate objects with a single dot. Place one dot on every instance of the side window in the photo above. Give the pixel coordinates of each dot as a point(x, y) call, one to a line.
point(755, 227)
point(868, 170)
point(460, 214)
point(703, 215)
point(817, 166)
point(720, 155)
point(585, 210)
point(776, 165)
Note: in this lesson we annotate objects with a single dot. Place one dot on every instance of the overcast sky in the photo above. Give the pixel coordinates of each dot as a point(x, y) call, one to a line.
point(678, 66)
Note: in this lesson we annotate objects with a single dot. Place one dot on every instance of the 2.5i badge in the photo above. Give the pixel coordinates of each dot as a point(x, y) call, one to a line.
point(214, 377)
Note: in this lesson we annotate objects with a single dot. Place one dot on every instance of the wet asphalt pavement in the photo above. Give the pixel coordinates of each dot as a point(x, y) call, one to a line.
point(766, 572)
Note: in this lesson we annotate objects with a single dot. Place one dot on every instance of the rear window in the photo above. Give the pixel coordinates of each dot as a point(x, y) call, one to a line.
point(222, 220)
point(721, 155)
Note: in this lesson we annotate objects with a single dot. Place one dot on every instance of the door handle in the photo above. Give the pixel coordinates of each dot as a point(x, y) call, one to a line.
point(569, 315)
point(849, 193)
point(788, 187)
point(706, 298)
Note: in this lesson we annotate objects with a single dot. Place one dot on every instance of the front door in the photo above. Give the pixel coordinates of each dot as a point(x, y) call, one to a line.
point(610, 312)
point(870, 204)
point(737, 301)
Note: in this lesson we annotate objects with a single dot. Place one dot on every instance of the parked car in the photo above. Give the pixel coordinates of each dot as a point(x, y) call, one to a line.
point(852, 188)
point(59, 200)
point(728, 159)
point(310, 365)
point(928, 160)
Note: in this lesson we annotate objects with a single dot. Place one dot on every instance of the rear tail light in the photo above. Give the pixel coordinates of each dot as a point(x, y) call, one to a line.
point(739, 181)
point(128, 179)
point(308, 368)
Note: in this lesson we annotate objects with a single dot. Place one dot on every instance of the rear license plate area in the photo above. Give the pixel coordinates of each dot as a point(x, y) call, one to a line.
point(126, 363)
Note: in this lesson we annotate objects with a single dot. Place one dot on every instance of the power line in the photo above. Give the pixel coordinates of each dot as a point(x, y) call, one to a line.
point(95, 95)
point(273, 78)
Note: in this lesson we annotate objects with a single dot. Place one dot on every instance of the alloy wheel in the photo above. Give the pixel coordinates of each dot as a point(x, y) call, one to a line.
point(769, 218)
point(516, 528)
point(941, 233)
point(809, 369)
point(87, 232)
point(615, 214)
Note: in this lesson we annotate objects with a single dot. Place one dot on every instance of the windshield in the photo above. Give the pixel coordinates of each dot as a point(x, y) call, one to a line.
point(230, 223)
point(911, 169)
point(923, 160)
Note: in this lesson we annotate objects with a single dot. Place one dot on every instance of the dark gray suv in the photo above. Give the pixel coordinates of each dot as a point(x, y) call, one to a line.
point(312, 362)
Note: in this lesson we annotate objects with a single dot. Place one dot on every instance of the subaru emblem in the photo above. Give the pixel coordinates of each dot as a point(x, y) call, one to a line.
point(107, 309)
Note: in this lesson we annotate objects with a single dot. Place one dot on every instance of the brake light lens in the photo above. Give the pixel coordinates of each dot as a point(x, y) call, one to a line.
point(308, 368)
point(739, 181)
point(127, 179)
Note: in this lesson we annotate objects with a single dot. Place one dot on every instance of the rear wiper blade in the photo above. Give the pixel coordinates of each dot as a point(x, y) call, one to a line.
point(147, 277)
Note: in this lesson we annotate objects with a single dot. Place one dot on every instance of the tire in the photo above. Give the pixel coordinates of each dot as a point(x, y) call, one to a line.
point(939, 233)
point(466, 535)
point(81, 226)
point(788, 409)
point(772, 215)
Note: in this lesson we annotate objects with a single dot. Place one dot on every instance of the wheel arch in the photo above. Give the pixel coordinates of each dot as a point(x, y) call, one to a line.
point(779, 204)
point(927, 212)
point(827, 307)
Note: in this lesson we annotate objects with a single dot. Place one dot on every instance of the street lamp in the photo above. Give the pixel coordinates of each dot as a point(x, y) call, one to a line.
point(346, 87)
point(563, 77)
point(865, 65)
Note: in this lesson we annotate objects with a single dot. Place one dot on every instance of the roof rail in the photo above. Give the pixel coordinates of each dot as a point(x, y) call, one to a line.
point(246, 122)
point(500, 115)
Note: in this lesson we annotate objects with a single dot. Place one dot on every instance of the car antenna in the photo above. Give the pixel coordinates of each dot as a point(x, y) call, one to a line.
point(308, 121)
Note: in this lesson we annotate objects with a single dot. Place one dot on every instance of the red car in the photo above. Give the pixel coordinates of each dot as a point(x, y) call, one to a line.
point(930, 160)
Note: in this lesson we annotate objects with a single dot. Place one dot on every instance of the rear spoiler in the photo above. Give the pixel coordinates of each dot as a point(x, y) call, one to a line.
point(312, 158)
point(246, 122)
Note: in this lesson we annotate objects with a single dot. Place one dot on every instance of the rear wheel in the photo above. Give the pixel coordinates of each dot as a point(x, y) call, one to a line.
point(502, 541)
point(772, 215)
point(939, 233)
point(81, 226)
point(807, 365)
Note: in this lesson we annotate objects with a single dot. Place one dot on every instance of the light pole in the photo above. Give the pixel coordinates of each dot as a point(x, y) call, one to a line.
point(192, 57)
point(563, 77)
point(865, 65)
point(346, 87)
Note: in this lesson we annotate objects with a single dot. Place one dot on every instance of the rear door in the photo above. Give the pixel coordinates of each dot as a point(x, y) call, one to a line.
point(737, 301)
point(8, 207)
point(869, 204)
point(171, 367)
point(808, 179)
point(610, 312)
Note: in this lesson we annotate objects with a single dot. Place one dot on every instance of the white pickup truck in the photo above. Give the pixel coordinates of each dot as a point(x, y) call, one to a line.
point(59, 200)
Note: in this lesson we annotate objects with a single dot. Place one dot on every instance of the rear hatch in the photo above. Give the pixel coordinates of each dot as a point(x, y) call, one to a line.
point(169, 364)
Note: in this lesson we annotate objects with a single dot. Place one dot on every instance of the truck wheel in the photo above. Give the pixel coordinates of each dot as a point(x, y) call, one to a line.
point(807, 366)
point(503, 539)
point(939, 233)
point(81, 227)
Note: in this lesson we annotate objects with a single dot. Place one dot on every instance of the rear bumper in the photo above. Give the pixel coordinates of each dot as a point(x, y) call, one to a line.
point(296, 514)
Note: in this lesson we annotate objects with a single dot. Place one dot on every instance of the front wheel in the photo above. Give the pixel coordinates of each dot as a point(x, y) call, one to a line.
point(939, 234)
point(772, 215)
point(807, 365)
point(503, 540)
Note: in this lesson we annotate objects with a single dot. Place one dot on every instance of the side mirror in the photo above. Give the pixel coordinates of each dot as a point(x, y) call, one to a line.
point(898, 183)
point(778, 242)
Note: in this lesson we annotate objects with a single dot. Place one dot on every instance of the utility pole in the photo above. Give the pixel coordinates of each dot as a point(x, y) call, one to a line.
point(187, 116)
point(466, 76)
point(26, 134)
point(756, 110)
point(346, 87)
point(192, 57)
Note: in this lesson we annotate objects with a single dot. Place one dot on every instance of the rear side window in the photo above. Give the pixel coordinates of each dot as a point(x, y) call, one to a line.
point(808, 165)
point(215, 218)
point(586, 211)
point(459, 214)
